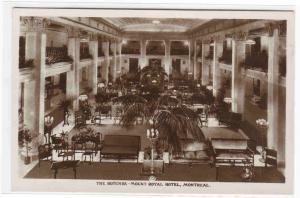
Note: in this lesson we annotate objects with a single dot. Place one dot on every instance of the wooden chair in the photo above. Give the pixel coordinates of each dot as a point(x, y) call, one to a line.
point(89, 149)
point(98, 142)
point(270, 158)
point(67, 151)
point(57, 143)
point(45, 151)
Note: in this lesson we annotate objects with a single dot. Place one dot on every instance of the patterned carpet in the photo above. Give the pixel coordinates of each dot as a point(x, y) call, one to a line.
point(173, 172)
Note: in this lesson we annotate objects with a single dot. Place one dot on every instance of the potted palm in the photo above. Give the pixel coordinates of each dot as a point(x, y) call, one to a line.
point(173, 122)
point(152, 78)
point(27, 139)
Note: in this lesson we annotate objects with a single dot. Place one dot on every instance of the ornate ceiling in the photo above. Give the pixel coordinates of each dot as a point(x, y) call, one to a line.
point(155, 24)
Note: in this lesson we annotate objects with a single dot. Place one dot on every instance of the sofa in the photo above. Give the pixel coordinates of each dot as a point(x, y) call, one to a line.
point(192, 152)
point(232, 152)
point(230, 118)
point(120, 147)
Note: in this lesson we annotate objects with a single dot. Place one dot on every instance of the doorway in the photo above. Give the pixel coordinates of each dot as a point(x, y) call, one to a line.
point(133, 65)
point(176, 68)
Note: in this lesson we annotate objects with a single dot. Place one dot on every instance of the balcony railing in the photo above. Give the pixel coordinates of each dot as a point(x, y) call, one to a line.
point(25, 63)
point(85, 52)
point(257, 61)
point(57, 54)
point(86, 56)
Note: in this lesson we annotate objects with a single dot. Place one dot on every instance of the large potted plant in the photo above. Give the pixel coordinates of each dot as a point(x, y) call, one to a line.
point(152, 78)
point(27, 139)
point(173, 122)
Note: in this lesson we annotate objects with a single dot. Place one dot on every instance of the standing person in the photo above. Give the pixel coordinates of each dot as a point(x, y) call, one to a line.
point(66, 119)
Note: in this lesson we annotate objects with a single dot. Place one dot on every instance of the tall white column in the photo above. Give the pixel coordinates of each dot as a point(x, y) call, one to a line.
point(238, 83)
point(218, 49)
point(191, 58)
point(119, 64)
point(34, 101)
point(29, 105)
point(273, 79)
point(196, 65)
point(167, 57)
point(93, 48)
point(114, 60)
point(143, 59)
point(205, 67)
point(72, 89)
point(105, 66)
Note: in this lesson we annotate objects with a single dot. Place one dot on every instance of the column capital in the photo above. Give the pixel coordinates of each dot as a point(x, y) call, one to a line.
point(73, 32)
point(93, 36)
point(34, 24)
point(237, 36)
point(280, 25)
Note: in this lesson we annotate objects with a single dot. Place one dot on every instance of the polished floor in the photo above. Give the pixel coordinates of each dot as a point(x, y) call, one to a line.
point(172, 172)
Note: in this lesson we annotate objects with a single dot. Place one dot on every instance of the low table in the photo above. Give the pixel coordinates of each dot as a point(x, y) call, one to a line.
point(64, 165)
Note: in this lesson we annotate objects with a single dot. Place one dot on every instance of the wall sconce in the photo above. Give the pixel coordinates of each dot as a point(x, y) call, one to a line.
point(186, 43)
point(124, 42)
point(212, 43)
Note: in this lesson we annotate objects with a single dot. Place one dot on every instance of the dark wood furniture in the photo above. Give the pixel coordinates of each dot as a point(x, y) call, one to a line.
point(65, 165)
point(231, 152)
point(67, 152)
point(88, 150)
point(57, 143)
point(270, 158)
point(230, 118)
point(45, 151)
point(157, 166)
point(120, 147)
point(192, 152)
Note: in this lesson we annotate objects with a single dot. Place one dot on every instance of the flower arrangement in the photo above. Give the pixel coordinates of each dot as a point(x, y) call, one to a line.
point(262, 123)
point(27, 137)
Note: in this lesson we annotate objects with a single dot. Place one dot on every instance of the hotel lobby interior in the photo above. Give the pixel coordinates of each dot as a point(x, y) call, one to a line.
point(168, 99)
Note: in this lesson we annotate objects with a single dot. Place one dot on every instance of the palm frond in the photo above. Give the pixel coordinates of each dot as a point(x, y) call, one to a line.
point(134, 111)
point(168, 100)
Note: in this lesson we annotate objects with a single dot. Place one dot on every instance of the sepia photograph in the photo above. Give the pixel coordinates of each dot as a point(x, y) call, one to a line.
point(137, 100)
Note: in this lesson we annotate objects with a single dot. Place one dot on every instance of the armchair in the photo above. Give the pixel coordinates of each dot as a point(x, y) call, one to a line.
point(45, 151)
